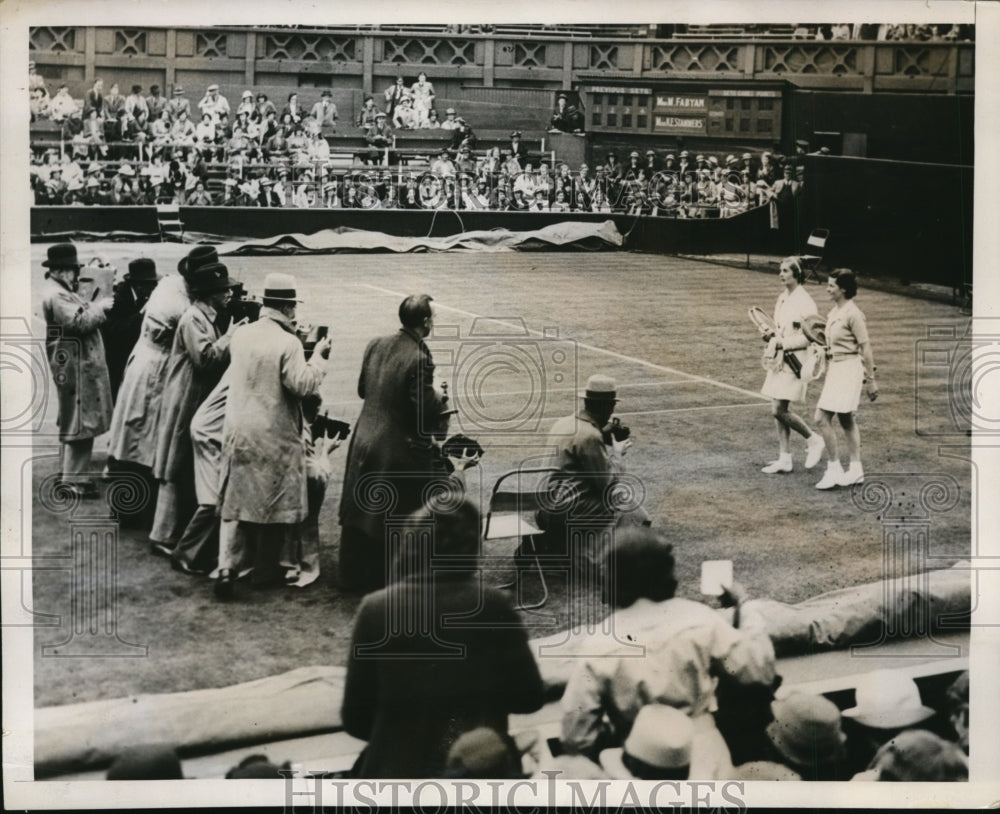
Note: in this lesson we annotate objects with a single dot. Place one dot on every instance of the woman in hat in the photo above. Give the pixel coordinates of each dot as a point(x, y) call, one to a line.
point(411, 696)
point(433, 121)
point(851, 368)
point(198, 357)
point(783, 383)
point(135, 423)
point(124, 323)
point(76, 357)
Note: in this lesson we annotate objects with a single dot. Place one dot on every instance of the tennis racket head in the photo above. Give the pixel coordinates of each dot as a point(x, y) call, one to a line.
point(814, 328)
point(761, 321)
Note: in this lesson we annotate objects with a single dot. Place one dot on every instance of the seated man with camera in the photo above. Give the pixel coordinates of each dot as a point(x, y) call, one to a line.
point(582, 498)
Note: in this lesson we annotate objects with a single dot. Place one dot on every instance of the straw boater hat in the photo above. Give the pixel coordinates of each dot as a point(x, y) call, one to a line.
point(280, 286)
point(600, 388)
point(806, 730)
point(62, 256)
point(887, 700)
point(660, 737)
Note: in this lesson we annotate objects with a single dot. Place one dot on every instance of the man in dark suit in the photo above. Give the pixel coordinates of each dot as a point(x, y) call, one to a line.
point(412, 693)
point(518, 150)
point(124, 322)
point(392, 448)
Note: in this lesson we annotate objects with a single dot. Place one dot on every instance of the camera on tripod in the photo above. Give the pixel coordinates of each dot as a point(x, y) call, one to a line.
point(615, 431)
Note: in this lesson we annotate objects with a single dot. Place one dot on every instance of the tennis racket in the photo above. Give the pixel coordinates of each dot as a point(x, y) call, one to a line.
point(763, 323)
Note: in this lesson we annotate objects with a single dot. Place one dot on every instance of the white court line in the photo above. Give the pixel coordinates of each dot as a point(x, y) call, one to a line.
point(615, 354)
point(694, 409)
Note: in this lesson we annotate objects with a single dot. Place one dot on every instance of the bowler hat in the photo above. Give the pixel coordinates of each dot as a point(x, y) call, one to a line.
point(211, 278)
point(62, 256)
point(199, 256)
point(142, 270)
point(806, 730)
point(660, 737)
point(600, 388)
point(887, 700)
point(280, 286)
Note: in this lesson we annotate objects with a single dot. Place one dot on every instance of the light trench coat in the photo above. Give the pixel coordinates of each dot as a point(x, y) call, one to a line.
point(263, 450)
point(136, 416)
point(76, 357)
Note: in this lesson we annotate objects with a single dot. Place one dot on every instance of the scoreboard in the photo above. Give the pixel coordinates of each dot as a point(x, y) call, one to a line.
point(740, 111)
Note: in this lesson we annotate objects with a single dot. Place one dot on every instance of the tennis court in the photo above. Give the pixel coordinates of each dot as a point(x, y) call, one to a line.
point(516, 336)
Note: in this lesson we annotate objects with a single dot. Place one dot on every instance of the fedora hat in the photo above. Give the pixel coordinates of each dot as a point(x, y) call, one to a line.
point(600, 388)
point(142, 270)
point(661, 737)
point(885, 699)
point(178, 90)
point(814, 328)
point(211, 278)
point(280, 286)
point(806, 730)
point(62, 256)
point(200, 255)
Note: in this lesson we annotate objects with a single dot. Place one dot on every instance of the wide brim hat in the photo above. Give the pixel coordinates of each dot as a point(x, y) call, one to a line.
point(814, 328)
point(887, 700)
point(210, 279)
point(143, 270)
point(600, 388)
point(62, 256)
point(93, 182)
point(806, 730)
point(661, 737)
point(380, 115)
point(126, 170)
point(201, 255)
point(280, 286)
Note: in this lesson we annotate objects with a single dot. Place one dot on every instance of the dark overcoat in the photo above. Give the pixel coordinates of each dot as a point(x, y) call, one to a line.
point(391, 453)
point(411, 694)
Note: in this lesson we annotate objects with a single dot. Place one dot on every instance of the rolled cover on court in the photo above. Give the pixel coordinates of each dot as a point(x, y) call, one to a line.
point(74, 737)
point(833, 620)
point(77, 736)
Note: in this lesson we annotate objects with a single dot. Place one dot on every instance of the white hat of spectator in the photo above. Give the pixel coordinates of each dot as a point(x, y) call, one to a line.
point(670, 156)
point(212, 87)
point(178, 90)
point(450, 111)
point(280, 286)
point(126, 170)
point(380, 114)
point(684, 153)
point(747, 156)
point(661, 737)
point(248, 94)
point(231, 182)
point(93, 182)
point(885, 699)
point(713, 160)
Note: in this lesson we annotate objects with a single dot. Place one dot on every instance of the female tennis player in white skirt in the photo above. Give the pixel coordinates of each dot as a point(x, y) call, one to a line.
point(849, 369)
point(782, 385)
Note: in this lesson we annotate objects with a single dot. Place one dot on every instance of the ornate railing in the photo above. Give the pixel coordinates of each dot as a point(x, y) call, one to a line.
point(502, 58)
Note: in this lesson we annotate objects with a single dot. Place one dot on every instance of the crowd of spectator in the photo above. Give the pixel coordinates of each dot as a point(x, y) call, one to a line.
point(145, 149)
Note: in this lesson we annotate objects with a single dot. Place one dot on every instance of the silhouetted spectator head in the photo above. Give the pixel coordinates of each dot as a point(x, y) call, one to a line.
point(806, 734)
point(640, 566)
point(917, 756)
point(255, 767)
point(415, 311)
point(483, 754)
point(147, 762)
point(454, 527)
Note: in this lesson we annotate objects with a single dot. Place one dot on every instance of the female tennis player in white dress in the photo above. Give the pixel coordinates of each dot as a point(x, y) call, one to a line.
point(850, 368)
point(782, 384)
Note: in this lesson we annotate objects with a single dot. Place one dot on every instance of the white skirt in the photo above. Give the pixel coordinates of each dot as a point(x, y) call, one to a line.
point(842, 388)
point(784, 385)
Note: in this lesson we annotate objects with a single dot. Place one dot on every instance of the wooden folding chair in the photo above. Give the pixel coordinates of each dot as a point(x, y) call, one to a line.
point(816, 242)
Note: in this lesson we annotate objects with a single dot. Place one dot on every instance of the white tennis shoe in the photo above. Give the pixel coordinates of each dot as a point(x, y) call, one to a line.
point(814, 450)
point(854, 474)
point(833, 477)
point(783, 464)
